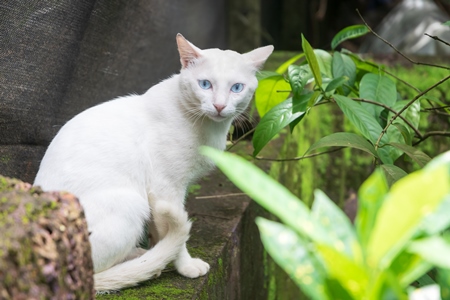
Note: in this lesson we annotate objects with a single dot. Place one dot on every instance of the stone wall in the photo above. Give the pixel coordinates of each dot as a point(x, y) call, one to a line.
point(58, 58)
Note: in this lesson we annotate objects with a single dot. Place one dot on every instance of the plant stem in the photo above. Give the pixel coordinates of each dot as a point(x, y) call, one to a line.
point(416, 131)
point(241, 138)
point(436, 38)
point(396, 50)
point(405, 107)
point(432, 133)
point(299, 157)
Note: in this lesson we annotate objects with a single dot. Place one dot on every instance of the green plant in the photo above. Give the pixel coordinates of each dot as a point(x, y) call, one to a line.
point(397, 237)
point(385, 125)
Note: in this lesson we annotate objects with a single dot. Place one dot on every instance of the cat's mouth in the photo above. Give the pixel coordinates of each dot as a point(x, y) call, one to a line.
point(217, 117)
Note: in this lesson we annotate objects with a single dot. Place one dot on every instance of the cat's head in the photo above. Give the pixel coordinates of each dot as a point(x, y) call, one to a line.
point(219, 84)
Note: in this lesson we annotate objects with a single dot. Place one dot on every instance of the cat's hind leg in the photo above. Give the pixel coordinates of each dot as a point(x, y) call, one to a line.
point(115, 221)
point(185, 264)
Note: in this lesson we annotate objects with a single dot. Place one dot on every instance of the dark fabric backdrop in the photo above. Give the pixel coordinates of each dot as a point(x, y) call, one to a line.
point(58, 58)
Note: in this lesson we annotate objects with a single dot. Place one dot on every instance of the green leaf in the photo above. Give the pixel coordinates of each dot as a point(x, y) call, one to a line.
point(266, 74)
point(409, 197)
point(378, 88)
point(343, 65)
point(443, 279)
point(312, 61)
point(437, 221)
point(365, 123)
point(298, 78)
point(347, 33)
point(370, 198)
point(276, 119)
point(351, 275)
point(403, 130)
point(409, 267)
point(283, 68)
point(434, 249)
point(392, 173)
point(291, 253)
point(341, 234)
point(336, 83)
point(267, 192)
point(344, 139)
point(416, 155)
point(270, 92)
point(446, 23)
point(324, 59)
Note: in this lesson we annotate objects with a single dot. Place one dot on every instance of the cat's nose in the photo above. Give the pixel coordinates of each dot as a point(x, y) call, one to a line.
point(219, 107)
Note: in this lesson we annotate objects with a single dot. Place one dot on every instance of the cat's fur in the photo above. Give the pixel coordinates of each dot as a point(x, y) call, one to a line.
point(130, 161)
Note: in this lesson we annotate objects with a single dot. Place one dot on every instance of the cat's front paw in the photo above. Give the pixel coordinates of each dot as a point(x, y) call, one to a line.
point(193, 268)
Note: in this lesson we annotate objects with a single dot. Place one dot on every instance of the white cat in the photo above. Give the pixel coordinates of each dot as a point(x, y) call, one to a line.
point(130, 161)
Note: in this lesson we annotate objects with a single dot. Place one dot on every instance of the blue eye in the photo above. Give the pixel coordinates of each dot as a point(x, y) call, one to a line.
point(237, 87)
point(204, 84)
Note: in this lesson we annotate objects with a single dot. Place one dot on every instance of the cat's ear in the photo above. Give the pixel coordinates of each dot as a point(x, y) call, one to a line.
point(259, 56)
point(188, 52)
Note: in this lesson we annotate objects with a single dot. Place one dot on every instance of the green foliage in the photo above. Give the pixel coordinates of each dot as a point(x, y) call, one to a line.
point(387, 126)
point(397, 237)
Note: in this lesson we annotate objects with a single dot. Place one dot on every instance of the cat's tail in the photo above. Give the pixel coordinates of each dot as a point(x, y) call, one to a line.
point(152, 262)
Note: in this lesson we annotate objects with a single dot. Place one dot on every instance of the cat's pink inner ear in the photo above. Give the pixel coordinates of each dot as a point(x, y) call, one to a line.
point(188, 52)
point(259, 56)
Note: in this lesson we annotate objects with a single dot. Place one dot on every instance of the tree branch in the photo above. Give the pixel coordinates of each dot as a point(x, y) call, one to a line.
point(416, 131)
point(405, 107)
point(396, 50)
point(432, 133)
point(436, 38)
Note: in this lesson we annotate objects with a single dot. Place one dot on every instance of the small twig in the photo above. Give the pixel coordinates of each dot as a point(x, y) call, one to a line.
point(432, 133)
point(436, 108)
point(220, 196)
point(241, 138)
point(416, 131)
point(395, 49)
point(401, 80)
point(436, 38)
point(405, 107)
point(299, 157)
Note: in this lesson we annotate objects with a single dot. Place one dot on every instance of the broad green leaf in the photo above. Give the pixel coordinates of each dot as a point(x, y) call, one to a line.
point(365, 123)
point(267, 192)
point(409, 197)
point(392, 173)
point(434, 249)
point(378, 88)
point(336, 83)
point(300, 104)
point(352, 276)
point(298, 77)
point(276, 119)
point(283, 68)
point(291, 253)
point(266, 74)
point(347, 33)
point(446, 23)
point(341, 233)
point(363, 65)
point(371, 195)
point(416, 155)
point(343, 65)
point(312, 61)
point(404, 132)
point(443, 279)
point(270, 92)
point(344, 139)
point(324, 59)
point(437, 221)
point(409, 267)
